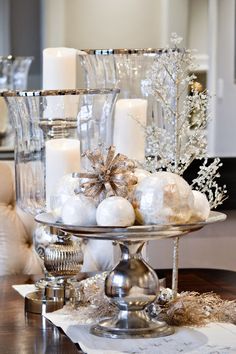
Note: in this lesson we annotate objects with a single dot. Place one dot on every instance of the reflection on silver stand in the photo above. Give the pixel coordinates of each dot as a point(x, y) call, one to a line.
point(62, 258)
point(131, 286)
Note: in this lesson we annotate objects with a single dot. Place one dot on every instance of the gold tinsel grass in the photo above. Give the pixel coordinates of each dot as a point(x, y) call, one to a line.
point(195, 309)
point(187, 309)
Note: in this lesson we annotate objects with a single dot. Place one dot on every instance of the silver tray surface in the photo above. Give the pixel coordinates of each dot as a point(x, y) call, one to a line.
point(136, 232)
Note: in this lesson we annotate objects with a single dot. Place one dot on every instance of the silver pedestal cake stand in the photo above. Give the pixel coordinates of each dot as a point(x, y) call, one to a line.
point(132, 284)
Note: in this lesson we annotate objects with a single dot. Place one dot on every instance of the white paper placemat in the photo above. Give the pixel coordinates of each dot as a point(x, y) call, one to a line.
point(24, 289)
point(215, 338)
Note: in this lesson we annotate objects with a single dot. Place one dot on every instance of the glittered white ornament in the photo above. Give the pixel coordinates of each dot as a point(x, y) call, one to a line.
point(165, 295)
point(67, 185)
point(201, 207)
point(115, 211)
point(63, 191)
point(141, 174)
point(163, 198)
point(79, 210)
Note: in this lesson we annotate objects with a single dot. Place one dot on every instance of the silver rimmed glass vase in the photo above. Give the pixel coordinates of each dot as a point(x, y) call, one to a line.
point(135, 108)
point(53, 128)
point(138, 115)
point(14, 73)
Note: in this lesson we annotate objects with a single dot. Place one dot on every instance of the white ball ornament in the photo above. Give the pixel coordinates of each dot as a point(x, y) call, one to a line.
point(201, 207)
point(79, 210)
point(67, 184)
point(115, 211)
point(163, 198)
point(64, 190)
point(141, 174)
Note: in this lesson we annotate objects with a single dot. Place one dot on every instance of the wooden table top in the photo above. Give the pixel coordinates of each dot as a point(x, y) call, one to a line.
point(22, 333)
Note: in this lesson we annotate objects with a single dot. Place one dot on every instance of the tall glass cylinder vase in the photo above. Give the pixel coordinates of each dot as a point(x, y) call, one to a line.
point(138, 115)
point(53, 128)
point(13, 76)
point(14, 72)
point(135, 109)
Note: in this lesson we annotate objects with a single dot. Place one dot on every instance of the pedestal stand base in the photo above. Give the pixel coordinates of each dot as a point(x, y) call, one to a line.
point(36, 303)
point(131, 324)
point(51, 298)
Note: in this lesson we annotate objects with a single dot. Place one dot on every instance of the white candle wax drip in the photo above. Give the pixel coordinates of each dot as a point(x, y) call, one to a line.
point(59, 68)
point(62, 157)
point(129, 125)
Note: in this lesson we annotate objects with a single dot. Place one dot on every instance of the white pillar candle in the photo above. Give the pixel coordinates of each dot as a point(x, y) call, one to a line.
point(62, 157)
point(129, 127)
point(59, 72)
point(59, 68)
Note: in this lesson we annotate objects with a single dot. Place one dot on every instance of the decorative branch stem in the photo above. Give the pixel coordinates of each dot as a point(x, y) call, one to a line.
point(174, 151)
point(175, 269)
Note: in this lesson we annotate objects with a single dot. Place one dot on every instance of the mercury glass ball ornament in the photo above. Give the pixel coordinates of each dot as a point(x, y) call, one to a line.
point(201, 207)
point(165, 296)
point(163, 198)
point(79, 210)
point(115, 211)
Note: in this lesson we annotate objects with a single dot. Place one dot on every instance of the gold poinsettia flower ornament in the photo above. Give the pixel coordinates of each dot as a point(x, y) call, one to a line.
point(112, 174)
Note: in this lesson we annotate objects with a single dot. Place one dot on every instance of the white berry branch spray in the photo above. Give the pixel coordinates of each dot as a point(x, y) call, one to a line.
point(178, 140)
point(206, 183)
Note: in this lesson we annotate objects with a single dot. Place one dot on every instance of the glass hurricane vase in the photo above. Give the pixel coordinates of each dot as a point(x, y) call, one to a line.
point(14, 73)
point(136, 108)
point(138, 115)
point(52, 130)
